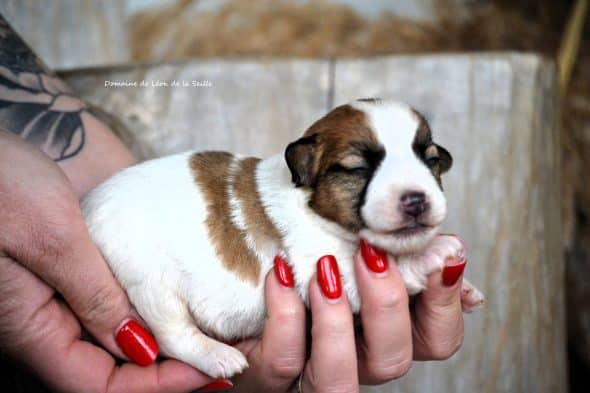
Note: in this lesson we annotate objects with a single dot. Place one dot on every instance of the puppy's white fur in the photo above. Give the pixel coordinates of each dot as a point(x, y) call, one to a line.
point(149, 223)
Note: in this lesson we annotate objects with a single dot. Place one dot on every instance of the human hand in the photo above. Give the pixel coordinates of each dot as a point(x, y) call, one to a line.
point(53, 281)
point(391, 337)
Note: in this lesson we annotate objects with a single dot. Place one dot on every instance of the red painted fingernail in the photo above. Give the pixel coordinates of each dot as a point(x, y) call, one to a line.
point(283, 272)
point(375, 259)
point(453, 271)
point(220, 384)
point(329, 277)
point(137, 343)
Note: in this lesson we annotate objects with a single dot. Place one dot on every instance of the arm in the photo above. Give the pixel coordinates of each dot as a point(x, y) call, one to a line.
point(36, 105)
point(53, 279)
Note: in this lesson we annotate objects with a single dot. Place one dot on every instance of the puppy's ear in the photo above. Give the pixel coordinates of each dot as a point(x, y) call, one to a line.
point(445, 159)
point(301, 157)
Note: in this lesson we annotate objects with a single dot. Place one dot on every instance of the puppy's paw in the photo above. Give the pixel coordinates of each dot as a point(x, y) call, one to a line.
point(415, 268)
point(471, 298)
point(446, 246)
point(223, 361)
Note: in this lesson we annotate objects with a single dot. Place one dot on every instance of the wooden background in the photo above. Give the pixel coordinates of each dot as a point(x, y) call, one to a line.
point(495, 113)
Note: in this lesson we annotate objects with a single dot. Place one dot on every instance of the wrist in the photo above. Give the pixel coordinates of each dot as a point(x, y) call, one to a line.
point(101, 155)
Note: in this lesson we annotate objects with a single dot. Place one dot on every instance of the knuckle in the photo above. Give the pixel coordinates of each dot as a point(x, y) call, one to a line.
point(388, 372)
point(395, 300)
point(102, 305)
point(387, 369)
point(319, 384)
point(49, 243)
point(286, 367)
point(445, 349)
point(331, 329)
point(342, 387)
point(288, 315)
point(387, 302)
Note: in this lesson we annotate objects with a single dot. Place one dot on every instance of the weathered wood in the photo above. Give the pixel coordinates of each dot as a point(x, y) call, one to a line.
point(497, 115)
point(71, 33)
point(251, 107)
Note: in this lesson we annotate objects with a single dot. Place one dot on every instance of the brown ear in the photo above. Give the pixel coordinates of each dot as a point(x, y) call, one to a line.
point(301, 159)
point(445, 159)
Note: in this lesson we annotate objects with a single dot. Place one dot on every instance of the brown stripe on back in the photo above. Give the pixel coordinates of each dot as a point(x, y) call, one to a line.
point(211, 171)
point(258, 224)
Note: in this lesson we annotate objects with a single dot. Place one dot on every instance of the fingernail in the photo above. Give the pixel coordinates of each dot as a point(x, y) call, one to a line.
point(283, 272)
point(220, 384)
point(329, 277)
point(452, 271)
point(137, 343)
point(375, 259)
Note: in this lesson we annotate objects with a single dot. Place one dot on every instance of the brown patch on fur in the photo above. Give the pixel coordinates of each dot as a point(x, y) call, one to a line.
point(211, 171)
point(325, 150)
point(258, 224)
point(423, 145)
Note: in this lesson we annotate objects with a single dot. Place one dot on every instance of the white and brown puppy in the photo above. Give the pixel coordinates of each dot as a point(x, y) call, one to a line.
point(191, 236)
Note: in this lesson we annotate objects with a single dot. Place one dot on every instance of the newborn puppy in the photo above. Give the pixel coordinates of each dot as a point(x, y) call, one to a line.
point(191, 236)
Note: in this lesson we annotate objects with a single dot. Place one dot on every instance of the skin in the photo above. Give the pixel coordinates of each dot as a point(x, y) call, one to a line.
point(56, 289)
point(393, 336)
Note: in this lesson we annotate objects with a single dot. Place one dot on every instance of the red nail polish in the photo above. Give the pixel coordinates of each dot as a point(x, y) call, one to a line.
point(283, 272)
point(137, 343)
point(451, 273)
point(375, 259)
point(329, 277)
point(220, 384)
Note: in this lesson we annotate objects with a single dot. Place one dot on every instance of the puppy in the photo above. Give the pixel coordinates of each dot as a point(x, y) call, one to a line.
point(191, 236)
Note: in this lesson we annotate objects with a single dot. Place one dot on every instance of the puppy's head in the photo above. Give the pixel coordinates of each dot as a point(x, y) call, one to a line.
point(371, 167)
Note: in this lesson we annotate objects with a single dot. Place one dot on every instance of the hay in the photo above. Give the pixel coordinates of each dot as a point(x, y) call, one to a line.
point(321, 29)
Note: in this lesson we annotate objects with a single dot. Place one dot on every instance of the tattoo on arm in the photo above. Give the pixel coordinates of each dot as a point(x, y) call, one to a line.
point(35, 103)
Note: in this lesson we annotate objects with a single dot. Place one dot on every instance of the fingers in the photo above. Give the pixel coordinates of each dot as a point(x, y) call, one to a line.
point(386, 348)
point(333, 364)
point(45, 335)
point(438, 315)
point(278, 358)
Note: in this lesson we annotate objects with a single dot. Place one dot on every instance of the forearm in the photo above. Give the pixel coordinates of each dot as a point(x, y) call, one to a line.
point(36, 105)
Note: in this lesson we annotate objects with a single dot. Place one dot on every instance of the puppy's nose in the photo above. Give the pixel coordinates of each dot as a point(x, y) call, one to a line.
point(414, 203)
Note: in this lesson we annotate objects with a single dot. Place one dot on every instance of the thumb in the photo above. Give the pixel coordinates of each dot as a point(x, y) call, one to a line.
point(43, 230)
point(72, 264)
point(438, 314)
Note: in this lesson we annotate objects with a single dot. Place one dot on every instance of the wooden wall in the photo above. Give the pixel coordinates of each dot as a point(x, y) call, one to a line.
point(496, 113)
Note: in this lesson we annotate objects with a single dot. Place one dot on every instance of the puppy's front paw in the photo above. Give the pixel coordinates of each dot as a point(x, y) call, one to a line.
point(416, 268)
point(445, 247)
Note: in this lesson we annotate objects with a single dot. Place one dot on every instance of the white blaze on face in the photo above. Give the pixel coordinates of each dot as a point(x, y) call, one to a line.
point(400, 172)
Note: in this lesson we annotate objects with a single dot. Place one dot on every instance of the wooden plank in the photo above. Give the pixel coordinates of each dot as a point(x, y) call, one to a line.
point(251, 107)
point(71, 33)
point(497, 114)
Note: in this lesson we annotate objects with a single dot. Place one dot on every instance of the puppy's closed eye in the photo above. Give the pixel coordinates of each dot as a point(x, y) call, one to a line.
point(350, 164)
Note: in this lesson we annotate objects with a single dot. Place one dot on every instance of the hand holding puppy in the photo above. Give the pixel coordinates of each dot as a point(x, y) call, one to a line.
point(53, 281)
point(392, 336)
